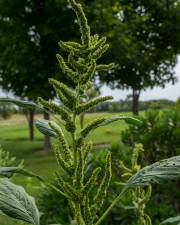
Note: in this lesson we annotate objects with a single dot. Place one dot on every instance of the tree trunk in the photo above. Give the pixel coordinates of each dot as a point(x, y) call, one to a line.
point(47, 143)
point(135, 105)
point(31, 124)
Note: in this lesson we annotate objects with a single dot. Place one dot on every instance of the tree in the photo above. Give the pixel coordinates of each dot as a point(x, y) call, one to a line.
point(29, 32)
point(145, 41)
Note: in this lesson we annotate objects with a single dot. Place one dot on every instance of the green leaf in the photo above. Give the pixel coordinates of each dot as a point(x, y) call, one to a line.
point(29, 174)
point(43, 127)
point(132, 120)
point(128, 119)
point(167, 169)
point(20, 103)
point(172, 220)
point(16, 203)
point(10, 171)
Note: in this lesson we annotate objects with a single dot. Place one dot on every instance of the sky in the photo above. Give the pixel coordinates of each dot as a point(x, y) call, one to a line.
point(171, 92)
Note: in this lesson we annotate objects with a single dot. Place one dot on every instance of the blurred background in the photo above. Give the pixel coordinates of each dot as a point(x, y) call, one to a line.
point(144, 38)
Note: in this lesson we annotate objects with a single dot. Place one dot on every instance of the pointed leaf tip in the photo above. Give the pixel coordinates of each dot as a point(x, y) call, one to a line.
point(133, 120)
point(20, 103)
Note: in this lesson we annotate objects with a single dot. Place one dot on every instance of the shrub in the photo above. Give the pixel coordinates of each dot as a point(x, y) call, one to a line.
point(159, 133)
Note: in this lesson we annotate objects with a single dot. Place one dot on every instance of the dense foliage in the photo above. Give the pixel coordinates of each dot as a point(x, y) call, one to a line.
point(144, 39)
point(159, 133)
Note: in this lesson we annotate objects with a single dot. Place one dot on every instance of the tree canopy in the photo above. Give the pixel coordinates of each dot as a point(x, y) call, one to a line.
point(145, 40)
point(29, 35)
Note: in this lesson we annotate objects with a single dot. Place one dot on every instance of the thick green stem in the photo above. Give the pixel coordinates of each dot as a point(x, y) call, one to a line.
point(116, 200)
point(74, 121)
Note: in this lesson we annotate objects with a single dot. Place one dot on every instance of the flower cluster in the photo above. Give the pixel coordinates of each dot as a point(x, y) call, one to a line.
point(80, 65)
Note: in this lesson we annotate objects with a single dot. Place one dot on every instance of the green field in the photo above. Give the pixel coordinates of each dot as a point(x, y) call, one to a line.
point(14, 138)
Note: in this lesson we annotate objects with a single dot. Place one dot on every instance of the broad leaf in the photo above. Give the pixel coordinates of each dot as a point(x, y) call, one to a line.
point(172, 220)
point(128, 119)
point(44, 128)
point(16, 203)
point(20, 103)
point(158, 172)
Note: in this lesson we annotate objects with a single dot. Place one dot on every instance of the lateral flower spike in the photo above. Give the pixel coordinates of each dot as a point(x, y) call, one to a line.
point(83, 23)
point(45, 104)
point(86, 106)
point(73, 44)
point(103, 67)
point(91, 70)
point(94, 39)
point(65, 90)
point(79, 170)
point(52, 107)
point(72, 75)
point(98, 44)
point(65, 147)
point(92, 180)
point(124, 168)
point(63, 99)
point(100, 51)
point(70, 191)
point(91, 126)
point(87, 211)
point(61, 161)
point(102, 190)
point(77, 50)
point(136, 151)
point(79, 65)
point(87, 149)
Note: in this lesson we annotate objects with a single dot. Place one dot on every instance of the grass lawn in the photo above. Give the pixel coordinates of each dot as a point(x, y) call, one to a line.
point(14, 138)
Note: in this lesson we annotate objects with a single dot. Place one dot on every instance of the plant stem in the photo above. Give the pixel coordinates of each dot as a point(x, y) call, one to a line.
point(116, 200)
point(56, 189)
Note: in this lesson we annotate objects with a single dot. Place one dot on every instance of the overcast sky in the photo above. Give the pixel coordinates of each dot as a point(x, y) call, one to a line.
point(171, 92)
